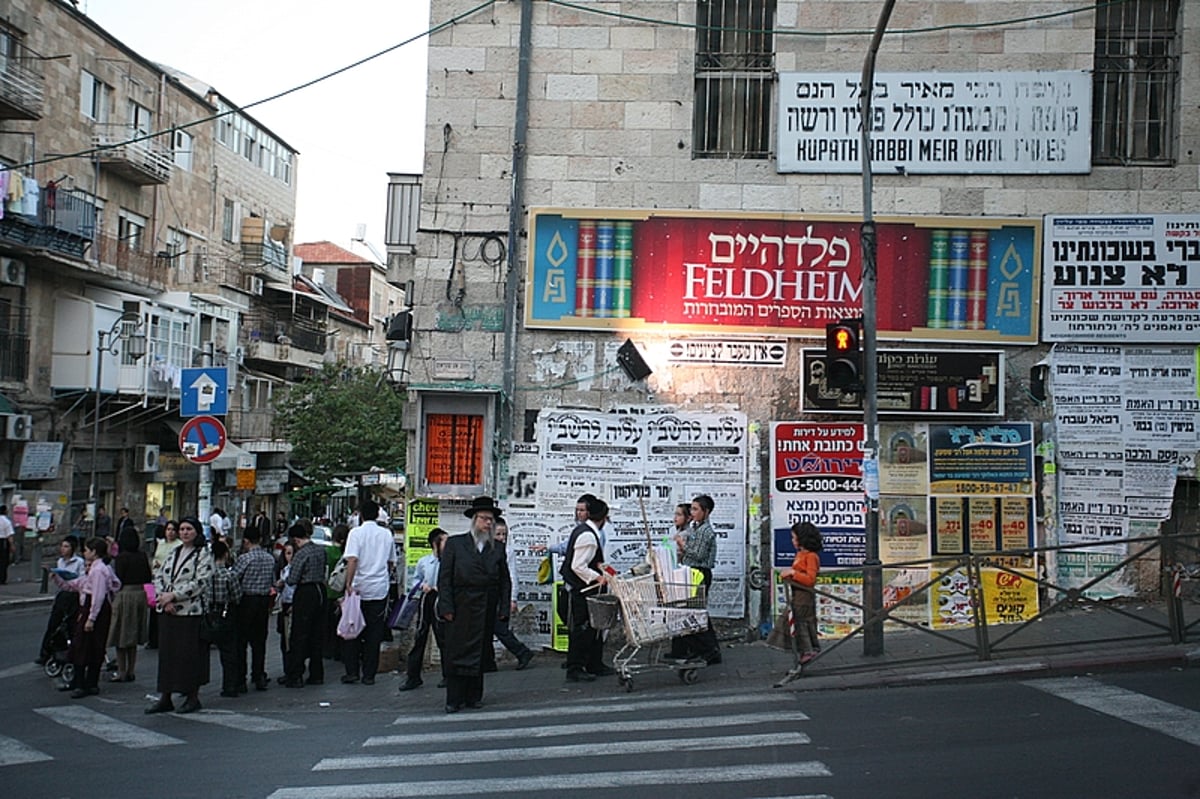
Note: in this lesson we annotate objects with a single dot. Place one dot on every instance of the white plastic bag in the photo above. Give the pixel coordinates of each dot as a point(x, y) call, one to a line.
point(352, 621)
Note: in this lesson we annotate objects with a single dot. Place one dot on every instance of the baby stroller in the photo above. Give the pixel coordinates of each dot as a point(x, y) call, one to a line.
point(57, 664)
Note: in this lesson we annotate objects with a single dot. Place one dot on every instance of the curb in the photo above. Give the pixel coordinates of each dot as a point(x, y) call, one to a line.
point(28, 602)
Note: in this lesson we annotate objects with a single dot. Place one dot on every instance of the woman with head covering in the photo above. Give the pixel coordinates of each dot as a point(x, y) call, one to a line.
point(130, 618)
point(180, 586)
point(90, 631)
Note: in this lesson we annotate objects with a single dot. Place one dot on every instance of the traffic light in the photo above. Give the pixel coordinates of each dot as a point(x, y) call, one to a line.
point(843, 355)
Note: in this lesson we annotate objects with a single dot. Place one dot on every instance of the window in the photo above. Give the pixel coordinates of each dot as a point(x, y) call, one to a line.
point(1136, 82)
point(227, 220)
point(735, 74)
point(455, 434)
point(94, 97)
point(182, 147)
point(176, 244)
point(131, 230)
point(140, 118)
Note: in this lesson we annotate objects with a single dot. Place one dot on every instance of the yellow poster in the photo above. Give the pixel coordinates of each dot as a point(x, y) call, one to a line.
point(1009, 598)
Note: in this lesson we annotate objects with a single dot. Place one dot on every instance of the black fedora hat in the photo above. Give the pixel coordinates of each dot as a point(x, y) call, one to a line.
point(482, 503)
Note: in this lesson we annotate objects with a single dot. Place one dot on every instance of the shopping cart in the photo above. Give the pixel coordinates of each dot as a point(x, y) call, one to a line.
point(653, 612)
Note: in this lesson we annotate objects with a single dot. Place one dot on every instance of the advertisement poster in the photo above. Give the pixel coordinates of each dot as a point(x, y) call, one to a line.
point(937, 383)
point(970, 280)
point(995, 122)
point(904, 452)
point(642, 465)
point(1122, 279)
point(903, 538)
point(981, 459)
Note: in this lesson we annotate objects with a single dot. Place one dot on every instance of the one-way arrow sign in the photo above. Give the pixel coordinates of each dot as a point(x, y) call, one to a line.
point(205, 392)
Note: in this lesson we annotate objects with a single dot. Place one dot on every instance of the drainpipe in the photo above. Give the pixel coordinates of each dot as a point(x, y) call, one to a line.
point(515, 212)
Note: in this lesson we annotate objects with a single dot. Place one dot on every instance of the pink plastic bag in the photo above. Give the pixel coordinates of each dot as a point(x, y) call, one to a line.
point(352, 621)
point(151, 595)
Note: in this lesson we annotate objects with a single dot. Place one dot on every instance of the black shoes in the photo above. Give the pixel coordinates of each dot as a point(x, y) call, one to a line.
point(368, 680)
point(409, 685)
point(525, 659)
point(190, 706)
point(261, 684)
point(603, 671)
point(349, 679)
point(230, 694)
point(80, 693)
point(311, 681)
point(161, 706)
point(453, 708)
point(579, 675)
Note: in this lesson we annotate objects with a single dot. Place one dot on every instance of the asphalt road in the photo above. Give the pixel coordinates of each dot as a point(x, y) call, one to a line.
point(1119, 735)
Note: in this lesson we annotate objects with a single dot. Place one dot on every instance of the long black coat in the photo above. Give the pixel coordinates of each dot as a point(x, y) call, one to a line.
point(475, 587)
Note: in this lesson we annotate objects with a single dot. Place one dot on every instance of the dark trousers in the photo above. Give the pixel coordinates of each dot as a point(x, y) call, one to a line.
point(361, 654)
point(308, 620)
point(227, 649)
point(512, 643)
point(4, 558)
point(66, 605)
point(87, 649)
point(585, 644)
point(462, 691)
point(427, 621)
point(253, 619)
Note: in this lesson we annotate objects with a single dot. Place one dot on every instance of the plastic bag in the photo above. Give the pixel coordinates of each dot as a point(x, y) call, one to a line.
point(352, 621)
point(337, 577)
point(405, 610)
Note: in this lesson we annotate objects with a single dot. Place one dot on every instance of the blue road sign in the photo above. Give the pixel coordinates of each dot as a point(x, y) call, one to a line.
point(204, 392)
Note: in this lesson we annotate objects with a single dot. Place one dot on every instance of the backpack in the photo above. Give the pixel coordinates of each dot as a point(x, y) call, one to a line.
point(337, 577)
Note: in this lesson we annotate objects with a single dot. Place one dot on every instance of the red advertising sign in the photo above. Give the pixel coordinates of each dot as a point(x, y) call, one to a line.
point(944, 278)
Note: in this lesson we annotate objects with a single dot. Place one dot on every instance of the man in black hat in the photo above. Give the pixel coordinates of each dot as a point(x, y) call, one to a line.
point(473, 590)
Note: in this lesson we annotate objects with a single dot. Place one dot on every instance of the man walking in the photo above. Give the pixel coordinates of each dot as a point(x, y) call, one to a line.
point(581, 571)
point(255, 570)
point(307, 574)
point(504, 633)
point(370, 558)
point(473, 591)
point(427, 575)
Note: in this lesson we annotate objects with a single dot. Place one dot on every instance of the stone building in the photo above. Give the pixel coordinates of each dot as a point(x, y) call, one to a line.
point(151, 231)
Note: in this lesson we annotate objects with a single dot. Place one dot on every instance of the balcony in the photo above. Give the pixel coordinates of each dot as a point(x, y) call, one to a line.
point(65, 223)
point(255, 424)
point(139, 267)
point(21, 86)
point(261, 246)
point(124, 151)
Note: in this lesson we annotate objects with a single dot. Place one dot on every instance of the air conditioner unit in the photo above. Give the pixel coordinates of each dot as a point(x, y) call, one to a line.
point(254, 285)
point(12, 272)
point(18, 427)
point(146, 458)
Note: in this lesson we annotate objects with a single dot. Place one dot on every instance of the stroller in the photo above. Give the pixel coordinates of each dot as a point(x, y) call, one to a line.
point(57, 663)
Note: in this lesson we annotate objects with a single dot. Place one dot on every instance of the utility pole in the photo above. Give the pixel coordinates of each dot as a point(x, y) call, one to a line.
point(872, 567)
point(204, 503)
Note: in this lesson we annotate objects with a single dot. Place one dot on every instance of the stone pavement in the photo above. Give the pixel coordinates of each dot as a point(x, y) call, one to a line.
point(1077, 641)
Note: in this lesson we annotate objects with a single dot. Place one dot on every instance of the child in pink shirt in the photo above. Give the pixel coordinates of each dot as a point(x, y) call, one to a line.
point(90, 630)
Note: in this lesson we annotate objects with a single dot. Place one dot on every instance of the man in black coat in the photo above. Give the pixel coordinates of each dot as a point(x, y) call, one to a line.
point(473, 591)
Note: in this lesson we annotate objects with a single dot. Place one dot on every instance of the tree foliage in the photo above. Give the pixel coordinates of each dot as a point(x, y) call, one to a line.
point(342, 420)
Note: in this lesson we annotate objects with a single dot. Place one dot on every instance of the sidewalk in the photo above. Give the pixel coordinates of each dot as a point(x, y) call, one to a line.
point(1077, 641)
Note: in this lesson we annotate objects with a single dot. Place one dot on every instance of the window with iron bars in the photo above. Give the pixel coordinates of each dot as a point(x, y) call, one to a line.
point(735, 77)
point(1136, 79)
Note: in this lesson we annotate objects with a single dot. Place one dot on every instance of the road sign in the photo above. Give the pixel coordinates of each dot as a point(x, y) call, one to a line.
point(204, 392)
point(202, 438)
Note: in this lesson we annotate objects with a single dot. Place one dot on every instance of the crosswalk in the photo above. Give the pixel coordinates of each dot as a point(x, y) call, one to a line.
point(607, 744)
point(107, 727)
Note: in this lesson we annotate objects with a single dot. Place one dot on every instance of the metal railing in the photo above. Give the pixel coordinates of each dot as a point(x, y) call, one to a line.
point(140, 159)
point(987, 638)
point(21, 84)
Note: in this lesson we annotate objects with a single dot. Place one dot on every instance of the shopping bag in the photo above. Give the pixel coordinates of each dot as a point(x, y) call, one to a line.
point(783, 632)
point(151, 595)
point(405, 610)
point(352, 621)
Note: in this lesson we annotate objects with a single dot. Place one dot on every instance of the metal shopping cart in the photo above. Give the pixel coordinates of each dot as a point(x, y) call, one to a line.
point(653, 612)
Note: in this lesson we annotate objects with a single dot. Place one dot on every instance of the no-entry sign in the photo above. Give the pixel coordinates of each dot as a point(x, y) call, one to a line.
point(202, 438)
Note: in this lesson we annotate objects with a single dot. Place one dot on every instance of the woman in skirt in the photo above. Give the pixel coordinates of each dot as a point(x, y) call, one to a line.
point(131, 614)
point(180, 587)
point(90, 631)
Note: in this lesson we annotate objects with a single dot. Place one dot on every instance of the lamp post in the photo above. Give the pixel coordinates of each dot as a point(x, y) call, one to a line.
point(126, 330)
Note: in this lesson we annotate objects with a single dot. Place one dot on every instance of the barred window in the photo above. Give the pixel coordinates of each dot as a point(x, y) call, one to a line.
point(735, 75)
point(1136, 82)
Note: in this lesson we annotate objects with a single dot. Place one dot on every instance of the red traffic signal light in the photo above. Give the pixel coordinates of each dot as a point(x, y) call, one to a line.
point(843, 355)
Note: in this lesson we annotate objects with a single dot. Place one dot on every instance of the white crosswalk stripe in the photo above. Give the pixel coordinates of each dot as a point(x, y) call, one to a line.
point(1144, 711)
point(559, 782)
point(14, 753)
point(572, 750)
point(240, 721)
point(106, 728)
point(555, 730)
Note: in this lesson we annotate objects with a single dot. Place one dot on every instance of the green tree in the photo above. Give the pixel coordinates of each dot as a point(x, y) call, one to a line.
point(342, 420)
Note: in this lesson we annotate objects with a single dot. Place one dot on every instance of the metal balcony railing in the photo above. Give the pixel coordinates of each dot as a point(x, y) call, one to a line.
point(21, 86)
point(140, 267)
point(127, 152)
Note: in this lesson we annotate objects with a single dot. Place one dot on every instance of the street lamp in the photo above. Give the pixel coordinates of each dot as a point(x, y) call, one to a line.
point(127, 331)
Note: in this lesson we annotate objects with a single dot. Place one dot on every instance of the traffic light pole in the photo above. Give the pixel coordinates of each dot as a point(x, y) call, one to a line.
point(872, 571)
